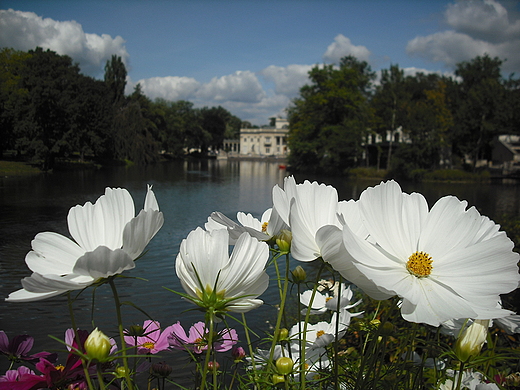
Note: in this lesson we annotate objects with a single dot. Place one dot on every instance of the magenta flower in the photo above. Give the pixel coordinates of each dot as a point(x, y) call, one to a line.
point(153, 340)
point(18, 349)
point(54, 377)
point(21, 379)
point(197, 338)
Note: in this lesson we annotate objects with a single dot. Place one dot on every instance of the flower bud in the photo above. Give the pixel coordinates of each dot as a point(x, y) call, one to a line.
point(213, 365)
point(283, 334)
point(299, 275)
point(284, 365)
point(278, 379)
point(472, 339)
point(162, 369)
point(120, 372)
point(283, 240)
point(135, 330)
point(238, 354)
point(98, 346)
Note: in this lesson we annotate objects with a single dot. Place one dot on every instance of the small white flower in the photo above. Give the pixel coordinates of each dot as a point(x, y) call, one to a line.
point(328, 299)
point(212, 277)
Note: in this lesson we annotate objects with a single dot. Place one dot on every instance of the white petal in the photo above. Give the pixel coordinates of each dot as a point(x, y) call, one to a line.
point(488, 268)
point(435, 304)
point(37, 283)
point(26, 296)
point(150, 202)
point(102, 223)
point(448, 227)
point(140, 230)
point(245, 273)
point(318, 302)
point(249, 221)
point(204, 254)
point(103, 262)
point(54, 253)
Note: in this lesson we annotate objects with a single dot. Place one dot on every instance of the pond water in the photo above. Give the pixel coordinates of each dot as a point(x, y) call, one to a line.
point(187, 193)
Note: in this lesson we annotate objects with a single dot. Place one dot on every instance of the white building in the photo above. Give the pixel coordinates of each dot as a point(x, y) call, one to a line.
point(267, 141)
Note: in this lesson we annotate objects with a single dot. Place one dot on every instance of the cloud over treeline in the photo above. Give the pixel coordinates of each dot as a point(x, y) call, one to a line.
point(26, 30)
point(478, 27)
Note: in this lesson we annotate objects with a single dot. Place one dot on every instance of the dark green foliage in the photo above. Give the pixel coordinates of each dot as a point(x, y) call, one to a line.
point(48, 110)
point(329, 120)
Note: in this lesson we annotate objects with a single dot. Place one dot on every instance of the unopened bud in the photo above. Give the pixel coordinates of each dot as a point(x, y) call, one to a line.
point(278, 379)
point(299, 275)
point(213, 365)
point(283, 334)
point(162, 369)
point(135, 330)
point(472, 339)
point(284, 365)
point(283, 240)
point(238, 354)
point(98, 346)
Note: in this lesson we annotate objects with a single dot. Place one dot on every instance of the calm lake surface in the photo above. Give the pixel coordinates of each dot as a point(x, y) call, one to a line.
point(187, 193)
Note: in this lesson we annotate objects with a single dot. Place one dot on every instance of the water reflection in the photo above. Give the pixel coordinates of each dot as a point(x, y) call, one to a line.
point(187, 193)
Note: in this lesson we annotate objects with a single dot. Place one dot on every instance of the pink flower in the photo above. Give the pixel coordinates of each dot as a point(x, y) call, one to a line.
point(152, 340)
point(18, 348)
point(197, 339)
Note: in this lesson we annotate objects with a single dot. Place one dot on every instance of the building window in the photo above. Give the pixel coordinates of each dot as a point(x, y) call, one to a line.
point(267, 150)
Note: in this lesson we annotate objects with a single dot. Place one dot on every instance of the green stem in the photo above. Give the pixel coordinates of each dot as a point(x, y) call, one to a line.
point(459, 379)
point(283, 298)
point(210, 325)
point(78, 341)
point(121, 333)
point(250, 346)
point(100, 378)
point(306, 321)
point(336, 365)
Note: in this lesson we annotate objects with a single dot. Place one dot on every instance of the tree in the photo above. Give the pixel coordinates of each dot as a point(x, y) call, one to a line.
point(481, 107)
point(12, 65)
point(115, 79)
point(136, 136)
point(389, 105)
point(43, 116)
point(329, 120)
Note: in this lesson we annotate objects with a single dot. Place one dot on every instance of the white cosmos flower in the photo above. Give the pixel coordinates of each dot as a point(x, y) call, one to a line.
point(264, 229)
point(328, 300)
point(211, 277)
point(306, 208)
point(108, 237)
point(444, 263)
point(323, 333)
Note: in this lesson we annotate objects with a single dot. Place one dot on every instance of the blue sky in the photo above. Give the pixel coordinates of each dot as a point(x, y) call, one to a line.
point(252, 57)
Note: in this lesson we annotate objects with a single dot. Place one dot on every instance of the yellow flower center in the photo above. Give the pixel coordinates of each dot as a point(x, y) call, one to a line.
point(320, 333)
point(60, 367)
point(419, 264)
point(328, 299)
point(148, 345)
point(264, 227)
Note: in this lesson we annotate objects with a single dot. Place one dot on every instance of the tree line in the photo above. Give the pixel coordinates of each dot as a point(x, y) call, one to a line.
point(448, 120)
point(49, 110)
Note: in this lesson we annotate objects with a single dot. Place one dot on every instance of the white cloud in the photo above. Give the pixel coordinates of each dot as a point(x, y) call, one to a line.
point(170, 87)
point(26, 30)
point(287, 80)
point(480, 27)
point(487, 20)
point(241, 86)
point(341, 47)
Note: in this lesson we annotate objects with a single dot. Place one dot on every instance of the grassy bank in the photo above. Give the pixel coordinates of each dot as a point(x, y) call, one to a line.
point(17, 168)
